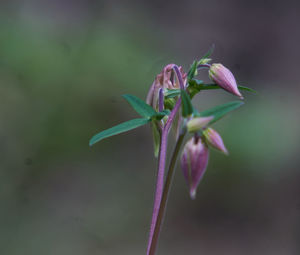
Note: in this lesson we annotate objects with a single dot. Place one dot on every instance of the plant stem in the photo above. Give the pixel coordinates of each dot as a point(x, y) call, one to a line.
point(165, 194)
point(161, 170)
point(161, 167)
point(159, 184)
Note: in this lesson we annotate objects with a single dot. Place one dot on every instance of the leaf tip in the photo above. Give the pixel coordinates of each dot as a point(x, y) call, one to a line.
point(91, 142)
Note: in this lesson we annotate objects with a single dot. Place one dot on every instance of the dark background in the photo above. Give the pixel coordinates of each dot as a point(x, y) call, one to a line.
point(64, 65)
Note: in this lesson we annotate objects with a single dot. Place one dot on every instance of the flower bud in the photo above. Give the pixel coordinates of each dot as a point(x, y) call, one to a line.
point(198, 123)
point(165, 80)
point(194, 161)
point(169, 103)
point(213, 138)
point(224, 78)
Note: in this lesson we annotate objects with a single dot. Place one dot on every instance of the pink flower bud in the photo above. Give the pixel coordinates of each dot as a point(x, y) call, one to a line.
point(194, 161)
point(165, 80)
point(224, 78)
point(198, 123)
point(213, 138)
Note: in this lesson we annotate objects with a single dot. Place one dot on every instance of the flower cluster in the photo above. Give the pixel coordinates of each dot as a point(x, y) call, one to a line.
point(195, 154)
point(169, 104)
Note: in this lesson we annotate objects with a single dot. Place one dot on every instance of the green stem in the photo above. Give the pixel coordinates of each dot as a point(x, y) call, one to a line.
point(165, 194)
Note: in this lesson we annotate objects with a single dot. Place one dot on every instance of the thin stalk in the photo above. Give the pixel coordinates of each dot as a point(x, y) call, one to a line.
point(165, 194)
point(159, 184)
point(161, 170)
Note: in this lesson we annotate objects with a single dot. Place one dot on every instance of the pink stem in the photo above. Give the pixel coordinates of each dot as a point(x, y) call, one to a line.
point(161, 171)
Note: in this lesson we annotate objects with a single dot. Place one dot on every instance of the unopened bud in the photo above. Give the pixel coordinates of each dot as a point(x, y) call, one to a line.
point(198, 123)
point(169, 103)
point(213, 138)
point(224, 78)
point(194, 161)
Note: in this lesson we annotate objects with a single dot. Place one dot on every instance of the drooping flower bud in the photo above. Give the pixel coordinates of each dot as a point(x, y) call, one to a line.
point(213, 138)
point(165, 80)
point(198, 123)
point(224, 78)
point(194, 161)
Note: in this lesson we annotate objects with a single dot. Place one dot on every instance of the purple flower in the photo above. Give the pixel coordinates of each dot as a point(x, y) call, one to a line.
point(213, 138)
point(165, 80)
point(194, 161)
point(224, 78)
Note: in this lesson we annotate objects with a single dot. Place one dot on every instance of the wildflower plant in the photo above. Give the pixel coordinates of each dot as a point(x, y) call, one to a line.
point(169, 104)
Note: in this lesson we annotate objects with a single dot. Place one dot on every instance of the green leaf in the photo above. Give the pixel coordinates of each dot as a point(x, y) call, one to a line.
point(210, 51)
point(193, 70)
point(123, 127)
point(194, 87)
point(140, 106)
point(209, 86)
point(215, 86)
point(220, 111)
point(247, 89)
point(160, 115)
point(170, 93)
point(203, 61)
point(187, 107)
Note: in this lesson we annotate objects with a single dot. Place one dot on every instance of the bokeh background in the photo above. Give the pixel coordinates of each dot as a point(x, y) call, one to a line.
point(64, 65)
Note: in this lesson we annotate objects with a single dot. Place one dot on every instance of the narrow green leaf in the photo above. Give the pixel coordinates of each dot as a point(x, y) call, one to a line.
point(165, 112)
point(195, 86)
point(140, 106)
point(209, 86)
point(187, 107)
point(193, 70)
point(170, 93)
point(203, 61)
point(160, 115)
point(210, 51)
point(247, 89)
point(221, 110)
point(123, 127)
point(215, 86)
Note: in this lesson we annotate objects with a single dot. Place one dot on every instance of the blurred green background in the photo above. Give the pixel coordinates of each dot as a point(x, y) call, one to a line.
point(64, 65)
